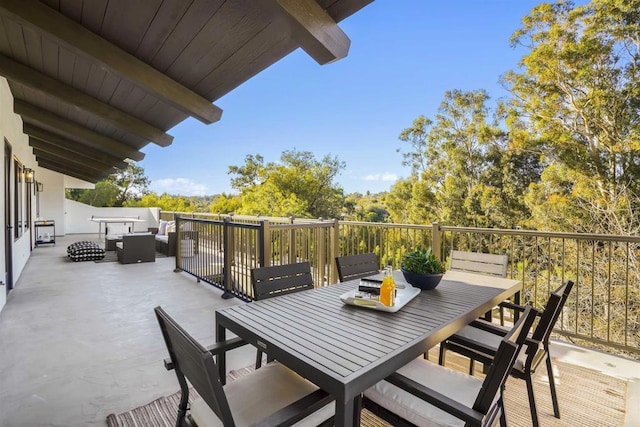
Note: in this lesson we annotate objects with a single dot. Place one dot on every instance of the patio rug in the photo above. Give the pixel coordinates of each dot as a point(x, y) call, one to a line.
point(587, 398)
point(112, 256)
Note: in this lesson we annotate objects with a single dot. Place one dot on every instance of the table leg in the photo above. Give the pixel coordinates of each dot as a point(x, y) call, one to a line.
point(348, 414)
point(221, 358)
point(516, 300)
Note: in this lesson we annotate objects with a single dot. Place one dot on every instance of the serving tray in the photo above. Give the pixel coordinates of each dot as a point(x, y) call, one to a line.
point(403, 296)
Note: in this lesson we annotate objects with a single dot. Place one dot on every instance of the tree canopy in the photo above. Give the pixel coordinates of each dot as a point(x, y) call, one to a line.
point(122, 188)
point(298, 185)
point(579, 91)
point(463, 167)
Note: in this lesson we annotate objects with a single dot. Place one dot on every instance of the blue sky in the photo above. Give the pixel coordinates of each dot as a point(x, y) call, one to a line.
point(404, 55)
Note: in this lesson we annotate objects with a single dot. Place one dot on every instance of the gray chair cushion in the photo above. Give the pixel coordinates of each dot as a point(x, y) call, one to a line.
point(456, 385)
point(259, 394)
point(493, 340)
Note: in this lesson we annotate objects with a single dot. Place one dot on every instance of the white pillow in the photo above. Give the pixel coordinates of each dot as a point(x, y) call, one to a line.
point(171, 226)
point(162, 228)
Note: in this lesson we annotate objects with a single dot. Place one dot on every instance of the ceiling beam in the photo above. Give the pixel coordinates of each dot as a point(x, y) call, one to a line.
point(73, 164)
point(316, 32)
point(344, 8)
point(70, 168)
point(74, 131)
point(81, 41)
point(73, 156)
point(72, 146)
point(47, 164)
point(19, 73)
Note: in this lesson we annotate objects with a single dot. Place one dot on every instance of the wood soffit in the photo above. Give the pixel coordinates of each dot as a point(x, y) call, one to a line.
point(95, 81)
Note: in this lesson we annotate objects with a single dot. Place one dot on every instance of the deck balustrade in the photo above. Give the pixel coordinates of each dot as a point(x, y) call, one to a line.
point(604, 309)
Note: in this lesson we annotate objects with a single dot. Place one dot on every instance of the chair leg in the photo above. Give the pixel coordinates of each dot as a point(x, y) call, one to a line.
point(552, 386)
point(503, 415)
point(471, 367)
point(182, 410)
point(258, 359)
point(443, 353)
point(532, 401)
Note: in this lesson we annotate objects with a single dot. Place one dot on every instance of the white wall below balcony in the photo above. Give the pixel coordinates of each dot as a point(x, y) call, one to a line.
point(77, 218)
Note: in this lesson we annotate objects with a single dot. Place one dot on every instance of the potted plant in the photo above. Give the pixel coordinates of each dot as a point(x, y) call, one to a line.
point(422, 269)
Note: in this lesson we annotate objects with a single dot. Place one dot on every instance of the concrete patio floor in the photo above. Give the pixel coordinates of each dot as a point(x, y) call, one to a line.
point(80, 340)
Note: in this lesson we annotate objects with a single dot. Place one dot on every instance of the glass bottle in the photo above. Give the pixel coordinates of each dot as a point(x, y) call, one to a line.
point(388, 288)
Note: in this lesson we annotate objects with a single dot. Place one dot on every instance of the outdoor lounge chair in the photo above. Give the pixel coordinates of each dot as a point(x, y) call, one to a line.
point(480, 340)
point(279, 280)
point(451, 397)
point(249, 400)
point(353, 267)
point(136, 247)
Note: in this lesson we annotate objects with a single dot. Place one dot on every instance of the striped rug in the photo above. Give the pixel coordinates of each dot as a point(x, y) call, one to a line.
point(587, 399)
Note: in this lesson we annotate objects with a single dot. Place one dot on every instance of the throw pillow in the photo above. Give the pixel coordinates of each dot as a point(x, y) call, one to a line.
point(162, 228)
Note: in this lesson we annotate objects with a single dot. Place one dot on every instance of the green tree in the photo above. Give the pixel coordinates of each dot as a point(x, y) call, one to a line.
point(122, 188)
point(132, 183)
point(462, 164)
point(104, 194)
point(298, 185)
point(166, 202)
point(580, 92)
point(226, 204)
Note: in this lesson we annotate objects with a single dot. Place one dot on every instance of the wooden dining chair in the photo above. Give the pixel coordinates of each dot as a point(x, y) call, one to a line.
point(479, 341)
point(479, 263)
point(273, 281)
point(242, 402)
point(423, 393)
point(351, 267)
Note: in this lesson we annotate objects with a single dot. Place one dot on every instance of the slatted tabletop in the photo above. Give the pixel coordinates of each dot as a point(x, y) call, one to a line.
point(346, 349)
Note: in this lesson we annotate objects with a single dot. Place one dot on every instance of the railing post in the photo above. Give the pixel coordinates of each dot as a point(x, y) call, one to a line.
point(292, 242)
point(178, 245)
point(335, 251)
point(321, 253)
point(227, 251)
point(436, 241)
point(265, 243)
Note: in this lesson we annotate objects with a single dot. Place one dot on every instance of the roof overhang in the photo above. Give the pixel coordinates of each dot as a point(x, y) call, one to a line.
point(100, 80)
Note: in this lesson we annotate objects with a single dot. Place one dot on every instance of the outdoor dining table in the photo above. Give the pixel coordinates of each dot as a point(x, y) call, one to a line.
point(346, 349)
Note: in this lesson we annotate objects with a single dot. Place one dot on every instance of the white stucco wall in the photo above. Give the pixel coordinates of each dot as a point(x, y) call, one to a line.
point(52, 199)
point(11, 131)
point(77, 218)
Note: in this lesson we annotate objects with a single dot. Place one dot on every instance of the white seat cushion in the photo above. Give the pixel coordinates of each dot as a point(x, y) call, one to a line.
point(259, 394)
point(163, 238)
point(119, 245)
point(456, 385)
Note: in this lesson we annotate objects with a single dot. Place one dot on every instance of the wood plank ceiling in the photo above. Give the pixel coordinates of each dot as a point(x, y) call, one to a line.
point(96, 80)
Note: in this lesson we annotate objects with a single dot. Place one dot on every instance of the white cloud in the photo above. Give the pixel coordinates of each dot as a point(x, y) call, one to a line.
point(181, 186)
point(387, 177)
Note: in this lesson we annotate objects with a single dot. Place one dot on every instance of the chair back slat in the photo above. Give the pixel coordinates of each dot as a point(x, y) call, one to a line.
point(193, 362)
point(352, 267)
point(551, 312)
point(503, 361)
point(279, 280)
point(476, 262)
